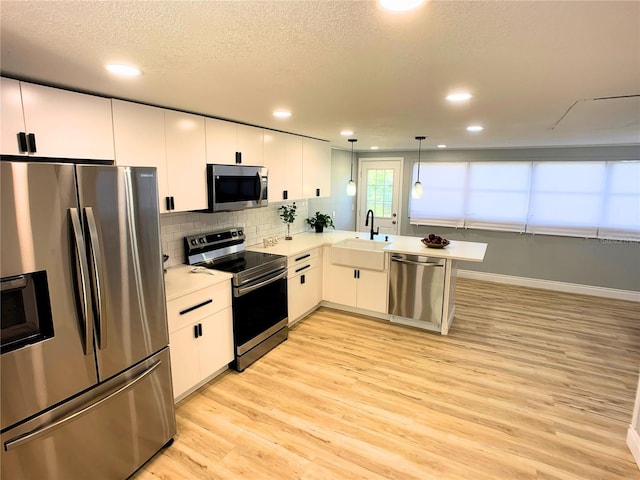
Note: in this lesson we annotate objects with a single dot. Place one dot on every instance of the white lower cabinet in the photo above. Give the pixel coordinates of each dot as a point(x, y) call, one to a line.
point(304, 284)
point(200, 336)
point(357, 288)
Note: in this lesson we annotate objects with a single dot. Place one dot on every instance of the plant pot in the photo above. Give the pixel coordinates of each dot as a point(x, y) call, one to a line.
point(319, 228)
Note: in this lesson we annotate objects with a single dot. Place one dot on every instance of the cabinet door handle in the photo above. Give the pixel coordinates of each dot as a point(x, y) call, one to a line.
point(303, 268)
point(31, 143)
point(355, 274)
point(238, 157)
point(195, 331)
point(200, 329)
point(317, 192)
point(22, 142)
point(168, 202)
point(194, 307)
point(285, 194)
point(303, 257)
point(173, 205)
point(303, 280)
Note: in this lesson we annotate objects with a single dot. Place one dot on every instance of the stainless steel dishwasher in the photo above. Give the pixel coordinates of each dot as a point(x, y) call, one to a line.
point(416, 290)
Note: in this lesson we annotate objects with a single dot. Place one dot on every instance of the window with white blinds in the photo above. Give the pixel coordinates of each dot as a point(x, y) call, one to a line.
point(586, 199)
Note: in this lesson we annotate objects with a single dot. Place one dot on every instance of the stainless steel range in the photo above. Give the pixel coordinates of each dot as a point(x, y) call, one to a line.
point(260, 312)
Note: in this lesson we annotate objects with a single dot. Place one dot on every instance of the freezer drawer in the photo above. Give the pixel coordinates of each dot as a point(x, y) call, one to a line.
point(416, 288)
point(106, 433)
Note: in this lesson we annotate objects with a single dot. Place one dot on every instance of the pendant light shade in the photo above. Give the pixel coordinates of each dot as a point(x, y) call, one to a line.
point(416, 191)
point(351, 186)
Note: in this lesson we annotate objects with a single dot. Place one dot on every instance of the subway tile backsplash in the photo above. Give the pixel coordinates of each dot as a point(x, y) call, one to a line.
point(257, 223)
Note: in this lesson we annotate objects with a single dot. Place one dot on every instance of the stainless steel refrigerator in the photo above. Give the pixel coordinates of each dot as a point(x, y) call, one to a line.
point(85, 373)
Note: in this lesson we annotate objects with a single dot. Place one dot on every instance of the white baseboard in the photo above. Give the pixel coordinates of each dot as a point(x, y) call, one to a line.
point(552, 285)
point(633, 441)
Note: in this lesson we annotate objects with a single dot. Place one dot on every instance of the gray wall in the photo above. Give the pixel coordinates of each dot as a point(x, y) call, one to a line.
point(341, 208)
point(601, 263)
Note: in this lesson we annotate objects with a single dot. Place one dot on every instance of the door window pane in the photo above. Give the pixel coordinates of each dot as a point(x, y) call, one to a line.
point(380, 191)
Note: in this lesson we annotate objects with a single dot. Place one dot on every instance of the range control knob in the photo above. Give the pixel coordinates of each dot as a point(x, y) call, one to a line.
point(240, 232)
point(201, 240)
point(194, 242)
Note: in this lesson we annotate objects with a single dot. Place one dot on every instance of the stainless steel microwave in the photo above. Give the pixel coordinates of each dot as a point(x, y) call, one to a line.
point(236, 187)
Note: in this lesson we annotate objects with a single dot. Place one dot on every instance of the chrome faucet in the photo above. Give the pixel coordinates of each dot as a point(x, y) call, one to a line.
point(366, 224)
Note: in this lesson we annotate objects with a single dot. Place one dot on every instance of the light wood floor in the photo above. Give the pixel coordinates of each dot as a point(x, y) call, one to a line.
point(529, 384)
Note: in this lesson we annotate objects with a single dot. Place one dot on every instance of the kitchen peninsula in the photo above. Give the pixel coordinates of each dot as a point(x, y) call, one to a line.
point(340, 284)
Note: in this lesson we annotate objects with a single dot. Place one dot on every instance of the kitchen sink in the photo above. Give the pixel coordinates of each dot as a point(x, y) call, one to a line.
point(359, 253)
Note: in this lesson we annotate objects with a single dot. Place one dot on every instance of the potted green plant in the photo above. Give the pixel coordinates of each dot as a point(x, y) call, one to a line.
point(319, 221)
point(288, 216)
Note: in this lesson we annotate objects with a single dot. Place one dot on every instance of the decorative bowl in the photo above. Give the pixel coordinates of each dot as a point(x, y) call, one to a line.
point(427, 244)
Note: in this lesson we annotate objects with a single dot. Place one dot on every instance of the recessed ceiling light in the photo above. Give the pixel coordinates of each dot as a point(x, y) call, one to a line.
point(400, 5)
point(282, 114)
point(474, 128)
point(375, 147)
point(123, 70)
point(346, 133)
point(442, 145)
point(458, 97)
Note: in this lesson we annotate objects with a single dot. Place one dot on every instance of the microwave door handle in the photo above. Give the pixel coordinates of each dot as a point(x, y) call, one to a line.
point(81, 268)
point(96, 260)
point(260, 187)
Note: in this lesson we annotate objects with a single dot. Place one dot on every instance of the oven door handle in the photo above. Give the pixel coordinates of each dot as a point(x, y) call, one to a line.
point(240, 291)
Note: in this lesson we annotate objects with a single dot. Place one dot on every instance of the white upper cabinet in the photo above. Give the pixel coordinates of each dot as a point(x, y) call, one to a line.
point(12, 116)
point(283, 158)
point(316, 168)
point(221, 141)
point(57, 123)
point(173, 142)
point(186, 160)
point(139, 140)
point(250, 144)
point(231, 143)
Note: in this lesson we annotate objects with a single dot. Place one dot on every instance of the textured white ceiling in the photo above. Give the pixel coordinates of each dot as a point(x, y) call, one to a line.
point(349, 64)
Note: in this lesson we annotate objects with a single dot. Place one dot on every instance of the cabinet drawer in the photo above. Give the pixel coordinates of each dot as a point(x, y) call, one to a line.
point(302, 258)
point(197, 305)
point(301, 267)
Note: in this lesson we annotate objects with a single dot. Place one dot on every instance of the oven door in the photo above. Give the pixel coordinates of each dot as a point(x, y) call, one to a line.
point(259, 310)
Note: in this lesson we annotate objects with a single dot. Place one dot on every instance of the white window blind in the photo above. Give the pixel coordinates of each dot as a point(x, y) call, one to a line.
point(498, 196)
point(566, 198)
point(621, 209)
point(443, 198)
point(587, 199)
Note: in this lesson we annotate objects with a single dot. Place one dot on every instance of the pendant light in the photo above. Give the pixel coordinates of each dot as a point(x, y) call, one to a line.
point(416, 191)
point(351, 186)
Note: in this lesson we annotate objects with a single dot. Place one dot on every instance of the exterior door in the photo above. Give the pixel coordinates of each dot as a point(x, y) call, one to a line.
point(122, 227)
point(47, 348)
point(379, 190)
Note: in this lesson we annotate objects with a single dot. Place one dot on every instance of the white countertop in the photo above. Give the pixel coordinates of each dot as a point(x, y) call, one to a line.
point(456, 250)
point(179, 280)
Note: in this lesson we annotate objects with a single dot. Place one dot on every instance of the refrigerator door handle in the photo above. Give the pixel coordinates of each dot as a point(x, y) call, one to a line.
point(39, 432)
point(96, 260)
point(81, 269)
